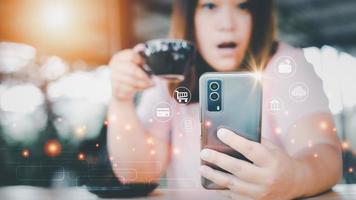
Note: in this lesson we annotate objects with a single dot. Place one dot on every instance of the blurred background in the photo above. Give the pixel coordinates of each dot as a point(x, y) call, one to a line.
point(54, 82)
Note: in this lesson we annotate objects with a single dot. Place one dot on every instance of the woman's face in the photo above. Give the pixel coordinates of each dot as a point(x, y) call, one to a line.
point(223, 30)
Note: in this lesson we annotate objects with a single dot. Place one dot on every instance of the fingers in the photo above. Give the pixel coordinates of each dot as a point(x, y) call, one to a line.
point(132, 70)
point(139, 48)
point(268, 144)
point(128, 55)
point(241, 169)
point(254, 151)
point(229, 181)
point(127, 76)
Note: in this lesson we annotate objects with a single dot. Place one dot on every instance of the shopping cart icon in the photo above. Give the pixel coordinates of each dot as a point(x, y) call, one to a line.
point(182, 96)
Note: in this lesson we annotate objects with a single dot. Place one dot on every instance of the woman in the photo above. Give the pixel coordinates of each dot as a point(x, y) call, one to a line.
point(299, 154)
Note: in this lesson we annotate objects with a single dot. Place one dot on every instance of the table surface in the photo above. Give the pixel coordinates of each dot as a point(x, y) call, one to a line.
point(339, 192)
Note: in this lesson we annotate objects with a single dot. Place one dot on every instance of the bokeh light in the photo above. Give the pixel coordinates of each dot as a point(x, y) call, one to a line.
point(53, 148)
point(25, 153)
point(81, 156)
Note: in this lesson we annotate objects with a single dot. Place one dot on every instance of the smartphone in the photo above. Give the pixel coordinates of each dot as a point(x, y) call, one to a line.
point(233, 101)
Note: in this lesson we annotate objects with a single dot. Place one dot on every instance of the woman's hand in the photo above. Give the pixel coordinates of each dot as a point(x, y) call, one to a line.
point(127, 76)
point(274, 174)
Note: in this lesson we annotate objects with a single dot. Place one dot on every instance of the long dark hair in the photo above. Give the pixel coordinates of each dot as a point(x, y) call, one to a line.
point(261, 47)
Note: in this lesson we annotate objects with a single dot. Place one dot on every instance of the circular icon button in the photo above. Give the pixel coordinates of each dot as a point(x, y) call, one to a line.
point(163, 112)
point(182, 95)
point(298, 92)
point(275, 105)
point(285, 67)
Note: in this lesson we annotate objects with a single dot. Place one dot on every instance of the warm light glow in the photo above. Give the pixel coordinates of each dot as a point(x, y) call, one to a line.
point(81, 156)
point(56, 15)
point(176, 151)
point(278, 130)
point(53, 148)
point(207, 123)
point(351, 170)
point(316, 155)
point(153, 152)
point(258, 75)
point(150, 141)
point(25, 153)
point(106, 122)
point(128, 127)
point(323, 125)
point(97, 145)
point(80, 131)
point(345, 145)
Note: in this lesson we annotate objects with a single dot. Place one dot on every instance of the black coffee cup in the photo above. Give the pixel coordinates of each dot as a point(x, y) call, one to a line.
point(168, 58)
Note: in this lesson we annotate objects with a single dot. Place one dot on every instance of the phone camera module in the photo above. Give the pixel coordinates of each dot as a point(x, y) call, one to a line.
point(214, 86)
point(214, 96)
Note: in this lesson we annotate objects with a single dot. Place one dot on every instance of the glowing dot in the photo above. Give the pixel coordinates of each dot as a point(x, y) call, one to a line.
point(294, 126)
point(81, 156)
point(207, 123)
point(53, 148)
point(258, 75)
point(128, 127)
point(106, 122)
point(310, 144)
point(278, 130)
point(118, 138)
point(292, 141)
point(316, 155)
point(97, 145)
point(80, 131)
point(153, 152)
point(111, 158)
point(176, 151)
point(150, 120)
point(133, 149)
point(345, 145)
point(25, 153)
point(323, 125)
point(150, 141)
point(334, 129)
point(351, 170)
point(59, 119)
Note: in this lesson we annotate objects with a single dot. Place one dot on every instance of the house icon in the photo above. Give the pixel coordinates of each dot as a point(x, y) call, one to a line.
point(275, 105)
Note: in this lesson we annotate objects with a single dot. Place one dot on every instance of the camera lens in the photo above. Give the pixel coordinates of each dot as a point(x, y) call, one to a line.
point(214, 86)
point(214, 96)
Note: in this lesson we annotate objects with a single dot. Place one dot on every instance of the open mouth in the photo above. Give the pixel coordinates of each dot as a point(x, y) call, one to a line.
point(227, 45)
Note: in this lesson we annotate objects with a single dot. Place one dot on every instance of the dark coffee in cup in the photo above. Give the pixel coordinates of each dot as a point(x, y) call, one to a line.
point(168, 58)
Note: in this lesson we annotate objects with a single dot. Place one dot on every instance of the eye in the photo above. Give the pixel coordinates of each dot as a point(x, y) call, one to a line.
point(208, 6)
point(244, 5)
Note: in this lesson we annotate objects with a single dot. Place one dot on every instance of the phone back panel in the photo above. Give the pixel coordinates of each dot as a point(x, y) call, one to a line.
point(241, 107)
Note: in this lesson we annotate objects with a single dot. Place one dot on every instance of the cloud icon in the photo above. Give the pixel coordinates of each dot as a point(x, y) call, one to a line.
point(299, 92)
